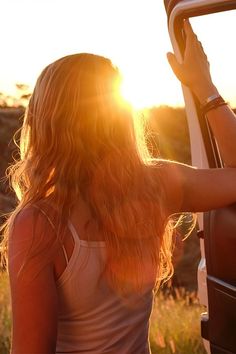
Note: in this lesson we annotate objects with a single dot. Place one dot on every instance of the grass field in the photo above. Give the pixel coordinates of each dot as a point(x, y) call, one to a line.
point(5, 321)
point(175, 324)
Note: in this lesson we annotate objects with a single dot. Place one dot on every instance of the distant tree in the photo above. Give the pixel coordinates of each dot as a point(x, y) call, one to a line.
point(24, 93)
point(169, 136)
point(19, 100)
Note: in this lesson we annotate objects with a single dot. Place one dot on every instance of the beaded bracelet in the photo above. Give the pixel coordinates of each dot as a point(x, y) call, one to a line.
point(212, 102)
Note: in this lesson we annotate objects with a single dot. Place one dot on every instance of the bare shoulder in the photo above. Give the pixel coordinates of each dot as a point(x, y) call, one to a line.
point(25, 219)
point(28, 222)
point(172, 176)
point(30, 238)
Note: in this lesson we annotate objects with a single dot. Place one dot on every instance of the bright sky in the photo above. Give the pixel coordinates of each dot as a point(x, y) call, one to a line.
point(133, 33)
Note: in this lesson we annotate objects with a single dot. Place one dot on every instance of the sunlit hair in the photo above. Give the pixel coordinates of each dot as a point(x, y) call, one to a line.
point(79, 140)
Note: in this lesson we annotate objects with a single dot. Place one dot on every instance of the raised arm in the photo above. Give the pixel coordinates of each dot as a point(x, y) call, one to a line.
point(33, 290)
point(194, 72)
point(197, 190)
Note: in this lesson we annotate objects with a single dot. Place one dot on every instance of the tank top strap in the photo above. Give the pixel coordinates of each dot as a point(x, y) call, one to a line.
point(82, 242)
point(74, 232)
point(54, 228)
point(45, 214)
point(65, 254)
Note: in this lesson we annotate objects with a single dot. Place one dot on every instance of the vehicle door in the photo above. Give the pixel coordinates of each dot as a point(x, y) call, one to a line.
point(217, 228)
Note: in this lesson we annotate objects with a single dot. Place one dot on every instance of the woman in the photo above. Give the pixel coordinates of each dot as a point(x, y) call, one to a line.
point(90, 238)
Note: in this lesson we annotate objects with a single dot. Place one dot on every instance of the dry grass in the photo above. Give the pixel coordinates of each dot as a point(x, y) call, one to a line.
point(5, 321)
point(175, 324)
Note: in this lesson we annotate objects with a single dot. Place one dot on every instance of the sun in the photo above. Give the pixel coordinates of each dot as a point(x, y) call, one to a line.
point(139, 96)
point(140, 88)
point(144, 92)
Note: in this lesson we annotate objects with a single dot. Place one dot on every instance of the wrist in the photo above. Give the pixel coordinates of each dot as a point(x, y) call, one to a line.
point(212, 103)
point(204, 92)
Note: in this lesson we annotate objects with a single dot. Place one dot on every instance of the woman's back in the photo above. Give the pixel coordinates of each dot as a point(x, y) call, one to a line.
point(92, 317)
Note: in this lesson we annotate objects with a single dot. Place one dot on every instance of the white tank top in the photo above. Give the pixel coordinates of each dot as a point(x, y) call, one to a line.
point(92, 317)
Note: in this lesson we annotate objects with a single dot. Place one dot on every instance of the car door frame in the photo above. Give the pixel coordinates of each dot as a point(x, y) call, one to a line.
point(204, 149)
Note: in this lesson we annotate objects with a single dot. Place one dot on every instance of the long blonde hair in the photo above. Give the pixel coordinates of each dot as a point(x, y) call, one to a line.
point(79, 140)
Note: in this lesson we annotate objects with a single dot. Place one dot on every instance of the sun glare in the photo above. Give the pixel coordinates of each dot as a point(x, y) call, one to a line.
point(140, 95)
point(131, 93)
point(143, 91)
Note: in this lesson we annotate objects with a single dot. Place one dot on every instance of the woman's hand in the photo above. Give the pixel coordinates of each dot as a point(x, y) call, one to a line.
point(194, 71)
